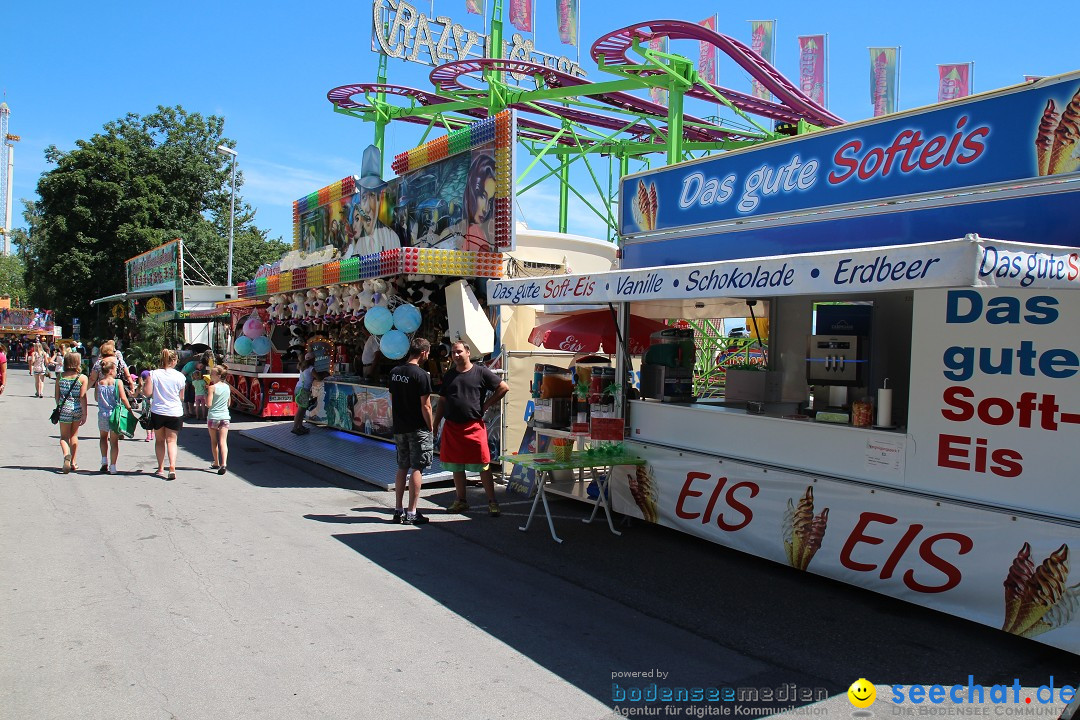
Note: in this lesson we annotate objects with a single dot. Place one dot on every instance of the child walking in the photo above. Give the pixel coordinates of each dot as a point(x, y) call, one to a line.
point(144, 404)
point(198, 381)
point(71, 400)
point(109, 393)
point(217, 416)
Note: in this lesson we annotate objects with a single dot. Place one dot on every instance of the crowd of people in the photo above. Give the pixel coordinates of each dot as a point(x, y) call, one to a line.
point(159, 398)
point(164, 396)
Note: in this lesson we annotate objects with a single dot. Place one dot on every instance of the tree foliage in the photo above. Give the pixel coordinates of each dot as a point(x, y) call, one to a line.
point(12, 278)
point(141, 182)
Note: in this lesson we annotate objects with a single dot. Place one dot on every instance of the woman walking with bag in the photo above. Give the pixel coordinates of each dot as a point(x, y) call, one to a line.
point(165, 388)
point(70, 407)
point(110, 392)
point(217, 416)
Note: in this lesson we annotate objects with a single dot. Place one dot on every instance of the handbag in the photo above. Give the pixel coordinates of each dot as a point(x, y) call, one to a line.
point(54, 418)
point(303, 398)
point(121, 420)
point(144, 421)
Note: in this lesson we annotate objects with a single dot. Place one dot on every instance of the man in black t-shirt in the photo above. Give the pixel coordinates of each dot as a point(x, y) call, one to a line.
point(410, 395)
point(468, 391)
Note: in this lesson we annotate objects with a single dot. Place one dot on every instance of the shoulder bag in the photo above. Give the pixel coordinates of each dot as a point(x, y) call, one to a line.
point(55, 417)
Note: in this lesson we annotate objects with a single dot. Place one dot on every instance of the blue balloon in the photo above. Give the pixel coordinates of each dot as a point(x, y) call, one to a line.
point(407, 318)
point(261, 345)
point(394, 345)
point(378, 320)
point(242, 345)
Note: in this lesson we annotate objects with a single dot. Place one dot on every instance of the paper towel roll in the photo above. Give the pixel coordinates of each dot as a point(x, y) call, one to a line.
point(884, 407)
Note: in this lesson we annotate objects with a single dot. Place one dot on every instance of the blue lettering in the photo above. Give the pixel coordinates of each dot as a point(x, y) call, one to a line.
point(972, 311)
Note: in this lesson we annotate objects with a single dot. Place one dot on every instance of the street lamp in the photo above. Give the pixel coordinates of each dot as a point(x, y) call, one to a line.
point(222, 150)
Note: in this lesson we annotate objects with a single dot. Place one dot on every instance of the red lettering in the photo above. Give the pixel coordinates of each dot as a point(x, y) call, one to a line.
point(947, 451)
point(1074, 266)
point(686, 492)
point(972, 143)
point(952, 396)
point(712, 500)
point(1006, 467)
point(840, 160)
point(926, 552)
point(898, 552)
point(858, 535)
point(934, 146)
point(734, 504)
point(871, 163)
point(955, 141)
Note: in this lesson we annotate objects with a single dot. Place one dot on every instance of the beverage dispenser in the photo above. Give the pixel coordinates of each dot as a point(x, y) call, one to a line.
point(667, 370)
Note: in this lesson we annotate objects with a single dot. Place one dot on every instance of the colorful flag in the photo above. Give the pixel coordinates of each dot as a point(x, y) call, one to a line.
point(1033, 78)
point(812, 66)
point(521, 15)
point(707, 53)
point(761, 42)
point(567, 13)
point(954, 81)
point(656, 94)
point(476, 7)
point(884, 74)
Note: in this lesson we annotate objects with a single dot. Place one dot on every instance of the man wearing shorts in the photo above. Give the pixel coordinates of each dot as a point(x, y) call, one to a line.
point(410, 395)
point(468, 391)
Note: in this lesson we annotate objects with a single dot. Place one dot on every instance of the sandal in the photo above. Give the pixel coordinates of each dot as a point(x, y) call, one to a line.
point(67, 464)
point(172, 475)
point(221, 470)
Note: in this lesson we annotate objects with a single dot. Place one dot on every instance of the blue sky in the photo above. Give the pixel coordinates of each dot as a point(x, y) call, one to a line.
point(70, 67)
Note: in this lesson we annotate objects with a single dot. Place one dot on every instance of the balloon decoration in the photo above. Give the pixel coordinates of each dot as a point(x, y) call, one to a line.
point(254, 327)
point(261, 345)
point(378, 320)
point(407, 318)
point(394, 345)
point(242, 346)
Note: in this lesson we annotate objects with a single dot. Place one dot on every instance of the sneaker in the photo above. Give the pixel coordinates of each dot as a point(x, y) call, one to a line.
point(104, 468)
point(398, 516)
point(417, 519)
point(112, 469)
point(458, 506)
point(493, 509)
point(300, 431)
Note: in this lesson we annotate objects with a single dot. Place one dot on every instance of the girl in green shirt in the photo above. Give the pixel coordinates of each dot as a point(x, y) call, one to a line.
point(217, 416)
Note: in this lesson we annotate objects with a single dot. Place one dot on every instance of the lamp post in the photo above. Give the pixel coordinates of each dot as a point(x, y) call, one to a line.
point(222, 150)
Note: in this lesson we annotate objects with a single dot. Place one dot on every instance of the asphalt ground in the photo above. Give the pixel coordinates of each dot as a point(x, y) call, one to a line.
point(280, 590)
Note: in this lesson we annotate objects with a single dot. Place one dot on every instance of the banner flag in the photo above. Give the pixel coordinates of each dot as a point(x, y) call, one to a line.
point(954, 81)
point(812, 54)
point(567, 13)
point(884, 79)
point(761, 42)
point(475, 7)
point(656, 94)
point(521, 15)
point(707, 53)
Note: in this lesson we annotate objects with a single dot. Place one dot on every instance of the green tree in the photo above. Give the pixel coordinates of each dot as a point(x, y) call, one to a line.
point(13, 276)
point(141, 182)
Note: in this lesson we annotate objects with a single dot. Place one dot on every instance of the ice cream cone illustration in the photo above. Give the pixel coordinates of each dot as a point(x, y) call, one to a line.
point(802, 530)
point(1064, 612)
point(1064, 156)
point(1016, 583)
point(1044, 590)
point(645, 205)
point(643, 489)
point(1044, 139)
point(813, 539)
point(788, 532)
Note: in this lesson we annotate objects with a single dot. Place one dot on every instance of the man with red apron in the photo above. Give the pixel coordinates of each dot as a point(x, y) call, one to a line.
point(468, 391)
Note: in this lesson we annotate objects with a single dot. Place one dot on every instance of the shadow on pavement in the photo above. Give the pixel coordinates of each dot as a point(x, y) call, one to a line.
point(655, 598)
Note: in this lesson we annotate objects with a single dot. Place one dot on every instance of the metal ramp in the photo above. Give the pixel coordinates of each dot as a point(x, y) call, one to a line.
point(372, 461)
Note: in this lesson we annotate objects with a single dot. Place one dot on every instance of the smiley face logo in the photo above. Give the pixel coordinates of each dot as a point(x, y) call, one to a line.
point(862, 693)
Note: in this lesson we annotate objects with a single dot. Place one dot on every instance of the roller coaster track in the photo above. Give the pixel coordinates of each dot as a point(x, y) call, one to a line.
point(611, 51)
